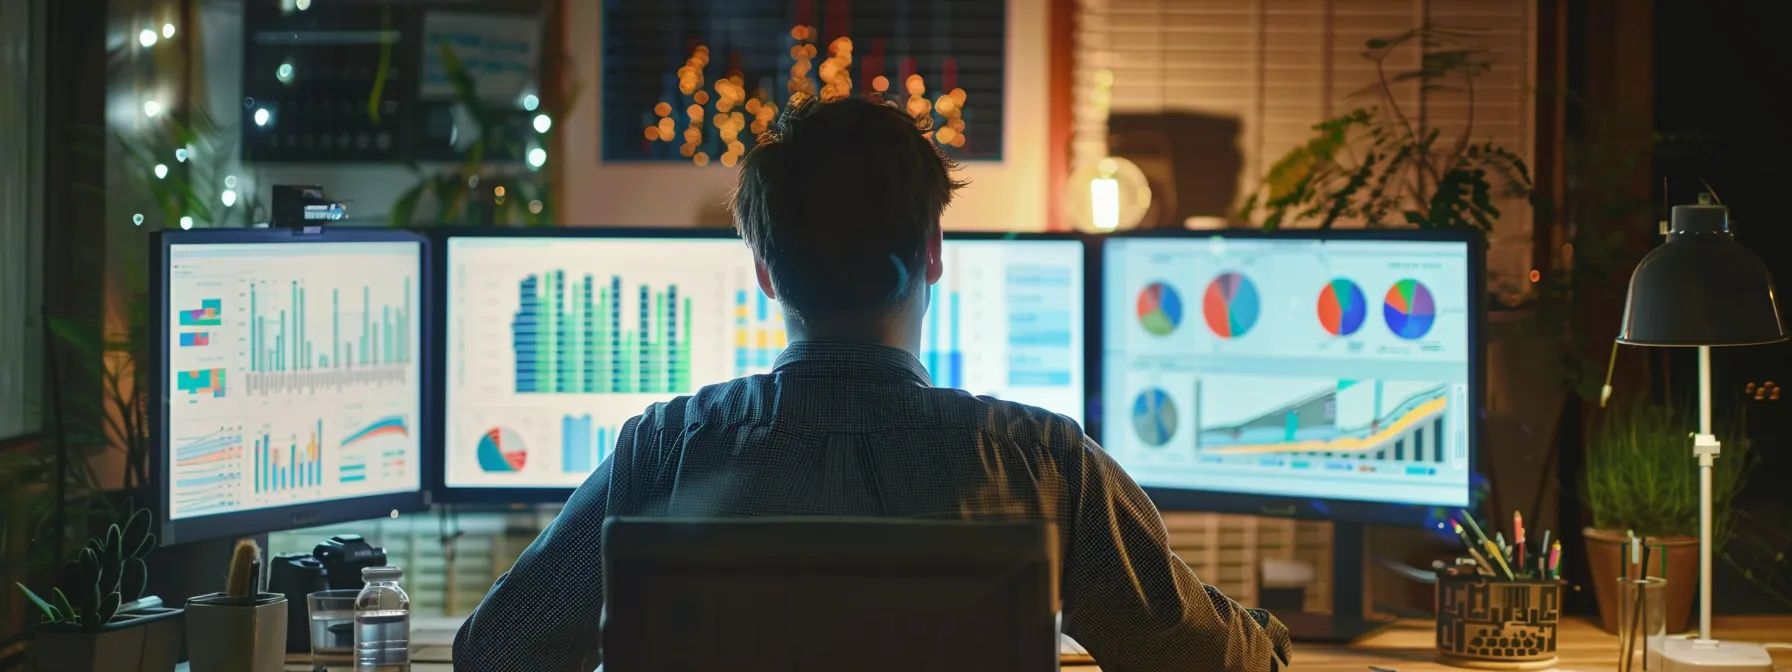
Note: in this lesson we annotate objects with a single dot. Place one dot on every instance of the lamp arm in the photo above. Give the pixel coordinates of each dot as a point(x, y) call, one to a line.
point(1705, 447)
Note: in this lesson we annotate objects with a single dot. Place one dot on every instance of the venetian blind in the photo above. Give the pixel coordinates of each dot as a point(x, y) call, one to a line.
point(1273, 68)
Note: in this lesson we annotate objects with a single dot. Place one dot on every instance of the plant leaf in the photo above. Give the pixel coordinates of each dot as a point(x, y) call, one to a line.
point(49, 611)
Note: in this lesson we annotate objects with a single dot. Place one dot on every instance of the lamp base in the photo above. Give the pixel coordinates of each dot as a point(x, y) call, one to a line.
point(1684, 654)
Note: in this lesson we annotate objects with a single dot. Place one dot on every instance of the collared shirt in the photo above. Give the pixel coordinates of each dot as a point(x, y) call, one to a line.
point(842, 429)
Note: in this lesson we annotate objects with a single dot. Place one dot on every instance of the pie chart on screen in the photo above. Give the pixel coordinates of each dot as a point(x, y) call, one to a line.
point(1409, 309)
point(1159, 309)
point(1154, 417)
point(1342, 307)
point(1231, 305)
point(501, 450)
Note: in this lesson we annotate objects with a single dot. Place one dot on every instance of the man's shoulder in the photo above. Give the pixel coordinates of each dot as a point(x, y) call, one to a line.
point(1018, 420)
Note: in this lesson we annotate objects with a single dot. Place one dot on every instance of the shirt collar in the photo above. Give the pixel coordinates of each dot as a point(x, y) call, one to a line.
point(837, 357)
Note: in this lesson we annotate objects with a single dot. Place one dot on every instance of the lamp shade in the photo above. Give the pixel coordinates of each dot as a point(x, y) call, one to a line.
point(1701, 288)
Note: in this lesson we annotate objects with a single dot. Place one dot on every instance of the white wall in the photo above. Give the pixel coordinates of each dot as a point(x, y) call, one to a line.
point(1005, 195)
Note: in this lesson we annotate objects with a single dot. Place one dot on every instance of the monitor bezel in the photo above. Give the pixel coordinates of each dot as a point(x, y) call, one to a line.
point(489, 498)
point(294, 516)
point(1306, 508)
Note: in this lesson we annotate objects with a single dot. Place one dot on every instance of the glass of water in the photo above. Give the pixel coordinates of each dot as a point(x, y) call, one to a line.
point(333, 628)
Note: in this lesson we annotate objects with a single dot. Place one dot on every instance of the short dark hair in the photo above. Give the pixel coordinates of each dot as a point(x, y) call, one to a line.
point(839, 200)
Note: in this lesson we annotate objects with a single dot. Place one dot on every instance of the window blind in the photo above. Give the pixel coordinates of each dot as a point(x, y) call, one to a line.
point(1276, 67)
point(21, 217)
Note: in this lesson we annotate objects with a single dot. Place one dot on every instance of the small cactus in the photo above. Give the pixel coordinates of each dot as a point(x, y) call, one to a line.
point(107, 573)
point(245, 564)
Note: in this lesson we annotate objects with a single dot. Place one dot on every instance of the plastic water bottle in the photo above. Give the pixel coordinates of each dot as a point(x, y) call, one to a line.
point(382, 622)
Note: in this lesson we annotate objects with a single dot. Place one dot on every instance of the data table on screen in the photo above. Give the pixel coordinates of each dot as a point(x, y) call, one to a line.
point(1335, 369)
point(293, 374)
point(553, 344)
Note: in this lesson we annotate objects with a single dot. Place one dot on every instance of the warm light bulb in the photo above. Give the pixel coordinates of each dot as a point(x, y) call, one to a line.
point(1104, 202)
point(147, 38)
point(543, 123)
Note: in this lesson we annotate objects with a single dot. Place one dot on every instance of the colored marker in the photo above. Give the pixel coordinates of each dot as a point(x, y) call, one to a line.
point(1501, 560)
point(1518, 535)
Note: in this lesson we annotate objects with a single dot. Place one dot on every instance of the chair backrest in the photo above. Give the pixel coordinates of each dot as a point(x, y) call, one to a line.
point(798, 594)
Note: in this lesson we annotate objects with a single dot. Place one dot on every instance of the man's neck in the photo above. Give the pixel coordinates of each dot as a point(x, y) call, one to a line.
point(897, 334)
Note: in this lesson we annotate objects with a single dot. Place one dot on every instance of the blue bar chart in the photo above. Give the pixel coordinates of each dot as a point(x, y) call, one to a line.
point(584, 445)
point(758, 332)
point(295, 465)
point(577, 340)
point(289, 352)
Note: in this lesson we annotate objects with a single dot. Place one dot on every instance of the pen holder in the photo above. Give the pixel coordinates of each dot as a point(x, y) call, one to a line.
point(1488, 624)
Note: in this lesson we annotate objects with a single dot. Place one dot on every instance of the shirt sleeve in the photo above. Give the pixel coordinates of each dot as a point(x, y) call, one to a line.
point(544, 614)
point(1136, 606)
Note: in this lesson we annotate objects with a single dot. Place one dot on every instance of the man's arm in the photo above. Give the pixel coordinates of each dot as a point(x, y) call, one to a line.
point(1135, 605)
point(544, 613)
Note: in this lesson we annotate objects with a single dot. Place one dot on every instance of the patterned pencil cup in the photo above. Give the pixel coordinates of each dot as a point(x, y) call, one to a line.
point(1497, 625)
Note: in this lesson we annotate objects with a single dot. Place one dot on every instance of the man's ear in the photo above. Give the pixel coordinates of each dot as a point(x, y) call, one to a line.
point(936, 264)
point(765, 279)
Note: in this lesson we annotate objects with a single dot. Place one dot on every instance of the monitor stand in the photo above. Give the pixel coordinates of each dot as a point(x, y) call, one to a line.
point(1349, 620)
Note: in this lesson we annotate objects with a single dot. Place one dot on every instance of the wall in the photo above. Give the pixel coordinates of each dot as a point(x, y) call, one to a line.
point(1009, 194)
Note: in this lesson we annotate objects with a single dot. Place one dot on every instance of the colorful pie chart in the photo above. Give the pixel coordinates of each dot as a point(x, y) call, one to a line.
point(1342, 307)
point(1154, 417)
point(501, 450)
point(1409, 309)
point(1231, 305)
point(1159, 309)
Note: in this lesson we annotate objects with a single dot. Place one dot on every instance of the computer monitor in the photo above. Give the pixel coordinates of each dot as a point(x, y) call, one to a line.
point(850, 594)
point(1329, 375)
point(1292, 368)
point(553, 341)
point(290, 379)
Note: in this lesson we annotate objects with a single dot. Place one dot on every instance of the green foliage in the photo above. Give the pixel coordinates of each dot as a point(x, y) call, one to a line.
point(193, 187)
point(107, 573)
point(1641, 474)
point(475, 194)
point(1375, 166)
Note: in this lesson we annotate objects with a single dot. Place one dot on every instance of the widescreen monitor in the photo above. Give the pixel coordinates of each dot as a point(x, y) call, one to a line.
point(554, 341)
point(1330, 374)
point(292, 369)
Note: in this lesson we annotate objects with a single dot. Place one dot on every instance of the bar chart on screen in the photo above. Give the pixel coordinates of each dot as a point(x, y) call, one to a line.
point(308, 356)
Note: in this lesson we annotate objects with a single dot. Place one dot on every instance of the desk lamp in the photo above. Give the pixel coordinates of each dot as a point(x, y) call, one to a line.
point(1703, 289)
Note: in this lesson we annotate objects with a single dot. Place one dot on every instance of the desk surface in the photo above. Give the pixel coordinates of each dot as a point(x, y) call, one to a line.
point(1407, 647)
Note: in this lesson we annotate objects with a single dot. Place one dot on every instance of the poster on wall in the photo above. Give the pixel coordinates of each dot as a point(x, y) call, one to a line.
point(696, 81)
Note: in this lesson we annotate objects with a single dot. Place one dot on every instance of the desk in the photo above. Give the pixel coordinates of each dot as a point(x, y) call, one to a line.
point(1407, 647)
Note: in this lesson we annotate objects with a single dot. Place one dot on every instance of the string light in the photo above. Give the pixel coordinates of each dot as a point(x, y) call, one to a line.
point(543, 123)
point(535, 207)
point(186, 223)
point(167, 30)
point(161, 171)
point(180, 155)
point(303, 5)
point(261, 117)
point(147, 38)
point(537, 157)
point(137, 219)
point(284, 73)
point(229, 197)
point(530, 102)
point(151, 108)
point(230, 181)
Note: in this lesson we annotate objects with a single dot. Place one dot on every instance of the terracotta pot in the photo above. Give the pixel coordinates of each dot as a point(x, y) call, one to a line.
point(1606, 550)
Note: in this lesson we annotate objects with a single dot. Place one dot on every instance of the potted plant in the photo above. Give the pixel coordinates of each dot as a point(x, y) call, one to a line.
point(1642, 478)
point(100, 618)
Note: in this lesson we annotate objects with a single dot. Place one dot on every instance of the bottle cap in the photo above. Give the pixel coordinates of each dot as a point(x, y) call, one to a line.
point(386, 573)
